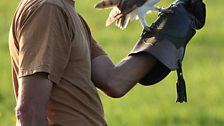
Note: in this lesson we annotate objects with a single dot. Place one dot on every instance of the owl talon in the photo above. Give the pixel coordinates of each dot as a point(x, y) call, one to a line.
point(166, 10)
point(151, 28)
point(148, 29)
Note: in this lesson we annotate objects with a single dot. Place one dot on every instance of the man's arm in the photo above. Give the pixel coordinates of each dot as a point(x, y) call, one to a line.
point(34, 92)
point(15, 83)
point(117, 80)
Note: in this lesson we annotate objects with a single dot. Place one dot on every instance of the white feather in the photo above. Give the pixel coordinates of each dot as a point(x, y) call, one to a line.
point(140, 12)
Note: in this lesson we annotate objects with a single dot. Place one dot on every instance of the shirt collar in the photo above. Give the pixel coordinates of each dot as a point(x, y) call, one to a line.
point(72, 2)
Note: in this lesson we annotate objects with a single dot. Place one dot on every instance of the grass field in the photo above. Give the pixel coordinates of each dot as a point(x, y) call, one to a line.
point(143, 106)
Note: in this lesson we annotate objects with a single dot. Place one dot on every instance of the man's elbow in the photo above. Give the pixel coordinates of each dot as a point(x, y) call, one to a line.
point(114, 93)
point(114, 90)
point(27, 112)
point(24, 113)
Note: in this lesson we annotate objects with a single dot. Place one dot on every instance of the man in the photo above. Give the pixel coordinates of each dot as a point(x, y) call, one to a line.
point(57, 64)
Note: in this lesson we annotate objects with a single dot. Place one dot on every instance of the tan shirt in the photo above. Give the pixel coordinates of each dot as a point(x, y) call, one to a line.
point(49, 36)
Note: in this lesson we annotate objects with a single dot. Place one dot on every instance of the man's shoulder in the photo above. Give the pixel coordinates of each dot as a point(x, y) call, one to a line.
point(35, 4)
point(59, 3)
point(29, 8)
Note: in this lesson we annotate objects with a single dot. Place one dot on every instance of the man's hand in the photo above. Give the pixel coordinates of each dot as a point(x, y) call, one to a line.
point(34, 92)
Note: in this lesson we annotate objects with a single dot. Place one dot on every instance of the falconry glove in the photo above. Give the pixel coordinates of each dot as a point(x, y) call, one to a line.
point(167, 40)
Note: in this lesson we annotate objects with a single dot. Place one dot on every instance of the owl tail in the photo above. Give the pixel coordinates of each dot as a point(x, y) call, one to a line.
point(107, 3)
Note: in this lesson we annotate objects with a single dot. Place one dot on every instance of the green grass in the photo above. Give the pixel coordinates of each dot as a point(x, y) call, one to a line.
point(143, 106)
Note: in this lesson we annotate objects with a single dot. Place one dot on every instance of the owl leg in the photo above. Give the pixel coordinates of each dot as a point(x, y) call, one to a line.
point(163, 10)
point(144, 24)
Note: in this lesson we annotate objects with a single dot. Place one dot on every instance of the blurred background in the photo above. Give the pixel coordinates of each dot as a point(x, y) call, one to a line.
point(203, 68)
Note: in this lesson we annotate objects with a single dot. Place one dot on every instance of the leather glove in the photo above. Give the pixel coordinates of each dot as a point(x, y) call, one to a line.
point(196, 8)
point(167, 41)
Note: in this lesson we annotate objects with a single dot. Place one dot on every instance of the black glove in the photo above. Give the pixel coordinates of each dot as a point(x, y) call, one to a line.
point(196, 8)
point(167, 41)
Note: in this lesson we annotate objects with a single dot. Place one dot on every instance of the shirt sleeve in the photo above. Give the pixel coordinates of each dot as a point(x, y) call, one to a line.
point(45, 42)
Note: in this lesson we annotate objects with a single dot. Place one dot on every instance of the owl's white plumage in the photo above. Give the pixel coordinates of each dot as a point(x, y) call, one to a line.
point(125, 10)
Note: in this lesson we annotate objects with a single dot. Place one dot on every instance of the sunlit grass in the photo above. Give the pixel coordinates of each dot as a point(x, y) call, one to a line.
point(143, 106)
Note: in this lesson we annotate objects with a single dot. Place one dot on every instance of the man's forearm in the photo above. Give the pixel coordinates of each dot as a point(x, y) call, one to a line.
point(34, 92)
point(128, 73)
point(117, 80)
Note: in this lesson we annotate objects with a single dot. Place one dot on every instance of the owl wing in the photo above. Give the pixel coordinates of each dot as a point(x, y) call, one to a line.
point(123, 9)
point(126, 6)
point(107, 4)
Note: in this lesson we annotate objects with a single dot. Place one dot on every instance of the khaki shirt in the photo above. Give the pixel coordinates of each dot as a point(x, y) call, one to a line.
point(49, 36)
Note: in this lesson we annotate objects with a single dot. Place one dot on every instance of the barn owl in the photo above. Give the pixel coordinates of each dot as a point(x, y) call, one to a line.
point(125, 10)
